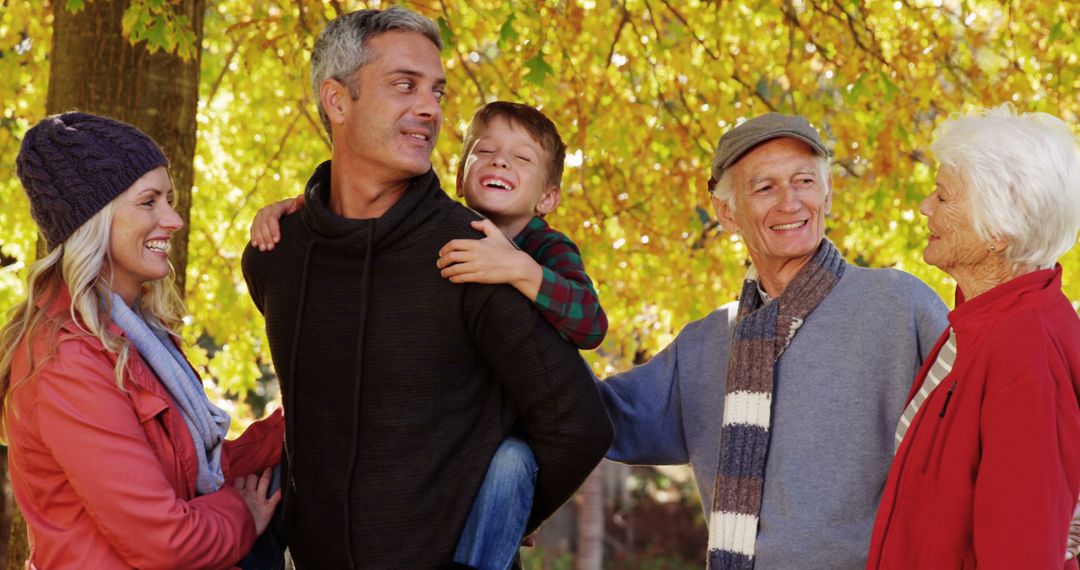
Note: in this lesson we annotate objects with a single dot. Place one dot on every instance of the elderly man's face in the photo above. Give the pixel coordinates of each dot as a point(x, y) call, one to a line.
point(780, 203)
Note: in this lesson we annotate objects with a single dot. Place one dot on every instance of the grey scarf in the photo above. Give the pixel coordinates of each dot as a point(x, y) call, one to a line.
point(207, 423)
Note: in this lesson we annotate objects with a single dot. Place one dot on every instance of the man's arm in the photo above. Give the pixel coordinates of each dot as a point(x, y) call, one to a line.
point(646, 409)
point(550, 388)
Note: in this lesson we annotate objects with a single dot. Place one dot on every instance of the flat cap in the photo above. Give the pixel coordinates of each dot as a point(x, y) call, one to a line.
point(739, 140)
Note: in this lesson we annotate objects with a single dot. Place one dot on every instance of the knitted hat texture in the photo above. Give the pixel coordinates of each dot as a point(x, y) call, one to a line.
point(71, 165)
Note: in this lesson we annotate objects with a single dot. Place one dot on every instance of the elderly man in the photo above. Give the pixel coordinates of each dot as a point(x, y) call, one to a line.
point(398, 384)
point(785, 403)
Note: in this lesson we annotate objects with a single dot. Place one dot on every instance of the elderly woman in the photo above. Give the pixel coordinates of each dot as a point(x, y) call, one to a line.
point(118, 459)
point(987, 467)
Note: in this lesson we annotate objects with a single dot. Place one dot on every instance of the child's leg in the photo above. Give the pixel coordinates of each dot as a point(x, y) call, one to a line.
point(496, 523)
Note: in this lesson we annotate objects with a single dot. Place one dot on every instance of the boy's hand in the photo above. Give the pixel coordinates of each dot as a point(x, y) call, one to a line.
point(265, 229)
point(493, 259)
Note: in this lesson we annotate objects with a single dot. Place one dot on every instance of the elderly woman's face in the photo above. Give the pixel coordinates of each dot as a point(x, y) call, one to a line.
point(953, 245)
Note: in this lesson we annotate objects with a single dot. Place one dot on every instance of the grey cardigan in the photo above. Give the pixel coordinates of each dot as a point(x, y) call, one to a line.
point(840, 388)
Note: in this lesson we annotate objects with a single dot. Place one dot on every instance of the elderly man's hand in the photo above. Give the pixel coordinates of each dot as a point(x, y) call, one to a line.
point(1072, 547)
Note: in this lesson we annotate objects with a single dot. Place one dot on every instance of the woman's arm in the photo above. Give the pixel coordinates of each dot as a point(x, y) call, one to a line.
point(95, 434)
point(258, 448)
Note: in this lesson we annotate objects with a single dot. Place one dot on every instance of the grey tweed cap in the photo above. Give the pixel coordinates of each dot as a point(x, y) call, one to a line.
point(71, 165)
point(741, 139)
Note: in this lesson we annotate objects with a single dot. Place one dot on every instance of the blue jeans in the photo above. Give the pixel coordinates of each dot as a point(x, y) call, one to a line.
point(496, 523)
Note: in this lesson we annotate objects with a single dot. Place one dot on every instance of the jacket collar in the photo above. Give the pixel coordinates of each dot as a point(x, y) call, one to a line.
point(57, 305)
point(989, 305)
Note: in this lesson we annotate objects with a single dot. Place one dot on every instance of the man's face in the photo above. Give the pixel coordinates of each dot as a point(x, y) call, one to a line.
point(780, 203)
point(390, 129)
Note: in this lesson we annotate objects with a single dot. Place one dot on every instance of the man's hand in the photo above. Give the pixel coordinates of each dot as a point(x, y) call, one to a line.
point(253, 489)
point(265, 229)
point(493, 259)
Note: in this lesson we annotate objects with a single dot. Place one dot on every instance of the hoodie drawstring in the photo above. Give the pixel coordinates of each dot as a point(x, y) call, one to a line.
point(365, 290)
point(290, 425)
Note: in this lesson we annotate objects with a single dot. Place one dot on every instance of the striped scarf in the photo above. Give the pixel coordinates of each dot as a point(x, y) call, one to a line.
point(762, 332)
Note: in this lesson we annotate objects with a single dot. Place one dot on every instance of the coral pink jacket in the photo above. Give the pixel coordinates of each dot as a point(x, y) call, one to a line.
point(106, 478)
point(988, 473)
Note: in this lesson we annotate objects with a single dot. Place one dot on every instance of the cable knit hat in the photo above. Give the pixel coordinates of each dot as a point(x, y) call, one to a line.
point(71, 165)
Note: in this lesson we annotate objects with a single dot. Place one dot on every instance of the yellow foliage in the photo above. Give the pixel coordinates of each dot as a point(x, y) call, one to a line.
point(641, 90)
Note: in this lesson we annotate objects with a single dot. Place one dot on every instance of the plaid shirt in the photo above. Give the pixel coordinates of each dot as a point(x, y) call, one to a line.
point(567, 299)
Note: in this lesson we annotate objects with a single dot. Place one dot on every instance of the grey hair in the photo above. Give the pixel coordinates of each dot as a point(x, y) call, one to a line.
point(339, 51)
point(1023, 175)
point(722, 189)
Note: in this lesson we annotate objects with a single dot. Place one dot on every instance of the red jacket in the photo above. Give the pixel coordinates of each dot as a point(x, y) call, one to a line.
point(988, 476)
point(106, 478)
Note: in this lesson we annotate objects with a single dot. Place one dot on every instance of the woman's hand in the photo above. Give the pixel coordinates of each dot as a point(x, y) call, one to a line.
point(253, 489)
point(265, 228)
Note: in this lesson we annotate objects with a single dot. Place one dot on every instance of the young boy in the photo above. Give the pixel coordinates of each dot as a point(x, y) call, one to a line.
point(510, 171)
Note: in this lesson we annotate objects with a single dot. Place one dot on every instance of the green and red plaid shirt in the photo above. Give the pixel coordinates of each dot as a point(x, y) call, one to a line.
point(567, 299)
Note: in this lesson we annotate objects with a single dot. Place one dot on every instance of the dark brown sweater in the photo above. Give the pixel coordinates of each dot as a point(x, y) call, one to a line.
point(399, 385)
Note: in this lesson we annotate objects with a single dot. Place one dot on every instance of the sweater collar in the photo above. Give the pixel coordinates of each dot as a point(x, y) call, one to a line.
point(990, 304)
point(407, 214)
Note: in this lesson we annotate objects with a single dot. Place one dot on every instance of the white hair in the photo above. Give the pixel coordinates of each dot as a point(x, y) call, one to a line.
point(722, 189)
point(1023, 175)
point(340, 51)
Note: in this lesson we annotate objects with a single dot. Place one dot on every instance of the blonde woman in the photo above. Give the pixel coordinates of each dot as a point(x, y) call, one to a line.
point(118, 459)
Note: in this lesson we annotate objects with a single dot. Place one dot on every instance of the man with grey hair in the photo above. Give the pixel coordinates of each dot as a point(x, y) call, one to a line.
point(399, 385)
point(785, 402)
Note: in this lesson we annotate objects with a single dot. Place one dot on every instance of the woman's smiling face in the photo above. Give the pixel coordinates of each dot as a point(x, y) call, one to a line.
point(142, 224)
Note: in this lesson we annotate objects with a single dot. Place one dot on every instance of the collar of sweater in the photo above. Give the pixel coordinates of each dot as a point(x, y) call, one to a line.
point(415, 207)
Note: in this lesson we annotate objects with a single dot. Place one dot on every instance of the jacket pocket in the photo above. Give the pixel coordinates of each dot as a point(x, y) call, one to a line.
point(937, 408)
point(148, 405)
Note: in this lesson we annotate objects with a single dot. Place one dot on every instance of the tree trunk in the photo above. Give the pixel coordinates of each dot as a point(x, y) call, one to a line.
point(94, 68)
point(590, 522)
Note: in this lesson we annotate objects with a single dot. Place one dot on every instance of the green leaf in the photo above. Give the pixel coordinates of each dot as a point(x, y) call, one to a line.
point(74, 6)
point(538, 69)
point(131, 18)
point(886, 85)
point(445, 31)
point(507, 33)
point(1055, 32)
point(155, 35)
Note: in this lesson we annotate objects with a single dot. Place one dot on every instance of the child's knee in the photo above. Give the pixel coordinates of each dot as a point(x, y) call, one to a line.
point(514, 455)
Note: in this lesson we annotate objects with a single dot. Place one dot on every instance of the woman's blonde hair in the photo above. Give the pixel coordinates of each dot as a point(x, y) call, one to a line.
point(82, 264)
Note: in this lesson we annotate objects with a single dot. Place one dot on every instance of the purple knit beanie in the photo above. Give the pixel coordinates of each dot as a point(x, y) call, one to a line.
point(71, 165)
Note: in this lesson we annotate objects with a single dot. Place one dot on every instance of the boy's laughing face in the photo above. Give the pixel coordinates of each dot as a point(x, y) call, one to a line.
point(506, 176)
